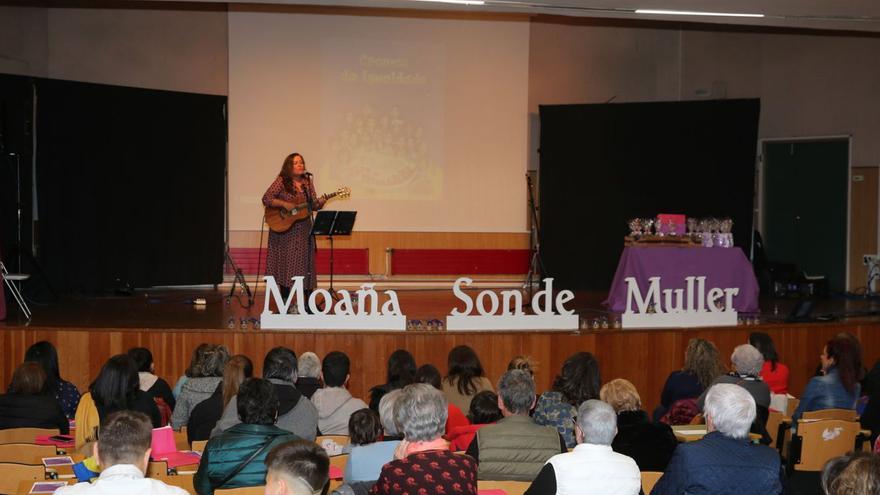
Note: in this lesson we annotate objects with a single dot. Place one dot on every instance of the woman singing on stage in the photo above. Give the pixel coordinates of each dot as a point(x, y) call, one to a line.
point(292, 253)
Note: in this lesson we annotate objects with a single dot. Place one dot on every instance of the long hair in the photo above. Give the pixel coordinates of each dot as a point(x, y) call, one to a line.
point(764, 344)
point(287, 174)
point(464, 369)
point(401, 369)
point(846, 360)
point(702, 359)
point(117, 384)
point(237, 369)
point(579, 379)
point(46, 356)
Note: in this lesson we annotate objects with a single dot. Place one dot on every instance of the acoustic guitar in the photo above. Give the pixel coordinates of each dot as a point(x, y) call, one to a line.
point(281, 219)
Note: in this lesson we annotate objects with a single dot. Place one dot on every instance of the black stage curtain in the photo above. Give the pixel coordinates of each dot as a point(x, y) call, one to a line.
point(130, 186)
point(603, 164)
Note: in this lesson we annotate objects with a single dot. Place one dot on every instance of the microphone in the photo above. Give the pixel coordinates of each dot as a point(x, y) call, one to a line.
point(307, 174)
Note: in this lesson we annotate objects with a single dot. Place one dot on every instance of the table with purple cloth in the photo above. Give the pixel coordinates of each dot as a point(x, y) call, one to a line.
point(722, 267)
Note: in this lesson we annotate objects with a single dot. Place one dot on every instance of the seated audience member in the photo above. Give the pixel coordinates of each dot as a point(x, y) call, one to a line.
point(400, 372)
point(116, 388)
point(367, 452)
point(299, 467)
point(747, 362)
point(839, 386)
point(857, 473)
point(774, 373)
point(525, 363)
point(150, 383)
point(428, 373)
point(235, 458)
point(28, 404)
point(423, 462)
point(578, 381)
point(308, 374)
point(649, 444)
point(187, 374)
point(296, 414)
point(65, 393)
point(592, 467)
point(334, 402)
point(386, 415)
point(465, 377)
point(724, 460)
point(515, 448)
point(702, 366)
point(123, 452)
point(204, 416)
point(484, 411)
point(870, 417)
point(202, 381)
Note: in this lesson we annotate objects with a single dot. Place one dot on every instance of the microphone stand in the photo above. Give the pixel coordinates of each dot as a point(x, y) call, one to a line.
point(313, 243)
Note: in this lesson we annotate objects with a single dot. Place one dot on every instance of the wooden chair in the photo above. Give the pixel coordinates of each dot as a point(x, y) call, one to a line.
point(698, 420)
point(509, 487)
point(339, 461)
point(246, 490)
point(841, 414)
point(26, 453)
point(24, 435)
point(184, 481)
point(774, 419)
point(157, 469)
point(180, 440)
point(199, 445)
point(339, 439)
point(820, 441)
point(649, 479)
point(12, 474)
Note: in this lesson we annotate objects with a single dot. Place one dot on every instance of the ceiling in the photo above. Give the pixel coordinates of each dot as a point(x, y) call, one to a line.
point(837, 15)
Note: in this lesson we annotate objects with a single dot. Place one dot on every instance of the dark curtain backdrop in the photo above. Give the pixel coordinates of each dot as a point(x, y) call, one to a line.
point(15, 149)
point(130, 186)
point(605, 163)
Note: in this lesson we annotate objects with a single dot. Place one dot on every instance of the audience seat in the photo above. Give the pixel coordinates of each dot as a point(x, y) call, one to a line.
point(157, 469)
point(12, 474)
point(649, 479)
point(24, 435)
point(774, 420)
point(247, 490)
point(184, 481)
point(26, 453)
point(820, 440)
point(509, 487)
point(841, 414)
point(339, 461)
point(199, 445)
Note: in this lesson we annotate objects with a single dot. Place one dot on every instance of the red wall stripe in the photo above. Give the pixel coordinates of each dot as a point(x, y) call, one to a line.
point(460, 261)
point(346, 261)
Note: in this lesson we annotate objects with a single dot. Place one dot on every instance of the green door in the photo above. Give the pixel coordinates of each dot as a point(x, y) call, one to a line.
point(805, 206)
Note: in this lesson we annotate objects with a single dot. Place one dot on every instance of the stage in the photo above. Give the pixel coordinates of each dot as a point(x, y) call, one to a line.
point(89, 330)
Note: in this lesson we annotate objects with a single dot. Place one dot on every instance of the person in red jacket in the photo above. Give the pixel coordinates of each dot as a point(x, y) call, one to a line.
point(774, 373)
point(484, 411)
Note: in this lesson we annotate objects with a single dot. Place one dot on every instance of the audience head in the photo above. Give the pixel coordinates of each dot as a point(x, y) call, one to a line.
point(257, 402)
point(401, 369)
point(298, 467)
point(596, 423)
point(428, 373)
point(765, 346)
point(525, 363)
point(117, 384)
point(702, 359)
point(280, 364)
point(579, 379)
point(143, 359)
point(857, 473)
point(464, 368)
point(335, 370)
point(516, 392)
point(386, 413)
point(124, 438)
point(484, 408)
point(237, 369)
point(364, 427)
point(420, 412)
point(308, 365)
point(843, 354)
point(747, 360)
point(730, 410)
point(207, 361)
point(621, 395)
point(45, 355)
point(28, 379)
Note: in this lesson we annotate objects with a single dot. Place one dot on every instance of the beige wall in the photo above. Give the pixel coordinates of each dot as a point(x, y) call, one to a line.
point(24, 41)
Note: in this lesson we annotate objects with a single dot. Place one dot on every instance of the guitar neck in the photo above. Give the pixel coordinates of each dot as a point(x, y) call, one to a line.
point(324, 196)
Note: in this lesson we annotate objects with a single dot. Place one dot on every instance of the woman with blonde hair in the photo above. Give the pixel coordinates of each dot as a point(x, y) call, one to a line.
point(702, 365)
point(857, 473)
point(650, 444)
point(205, 415)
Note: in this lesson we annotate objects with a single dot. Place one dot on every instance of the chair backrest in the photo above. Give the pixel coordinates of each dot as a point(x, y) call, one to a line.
point(12, 474)
point(774, 419)
point(199, 445)
point(157, 469)
point(842, 414)
point(509, 487)
point(180, 440)
point(340, 462)
point(649, 479)
point(792, 406)
point(246, 490)
point(823, 440)
point(184, 481)
point(24, 435)
point(333, 444)
point(26, 453)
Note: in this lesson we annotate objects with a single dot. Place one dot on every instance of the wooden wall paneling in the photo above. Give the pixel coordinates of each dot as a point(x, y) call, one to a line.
point(863, 222)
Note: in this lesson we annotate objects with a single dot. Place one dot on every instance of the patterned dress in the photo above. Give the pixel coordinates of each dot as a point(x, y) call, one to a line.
point(427, 473)
point(289, 252)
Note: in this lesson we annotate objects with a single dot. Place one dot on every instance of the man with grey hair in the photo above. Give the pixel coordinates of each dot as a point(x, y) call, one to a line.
point(747, 362)
point(308, 368)
point(724, 461)
point(592, 466)
point(515, 448)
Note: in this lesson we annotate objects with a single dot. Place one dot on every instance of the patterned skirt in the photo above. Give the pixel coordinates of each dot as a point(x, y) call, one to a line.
point(288, 255)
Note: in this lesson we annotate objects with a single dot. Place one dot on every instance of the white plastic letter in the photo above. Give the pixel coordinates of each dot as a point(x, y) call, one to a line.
point(460, 294)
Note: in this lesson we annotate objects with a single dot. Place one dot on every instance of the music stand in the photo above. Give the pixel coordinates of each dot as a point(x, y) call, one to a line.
point(333, 223)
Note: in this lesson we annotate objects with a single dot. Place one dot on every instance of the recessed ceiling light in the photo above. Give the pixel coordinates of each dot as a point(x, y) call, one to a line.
point(693, 12)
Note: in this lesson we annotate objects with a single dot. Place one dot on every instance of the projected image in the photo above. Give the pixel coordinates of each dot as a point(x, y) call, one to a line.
point(382, 116)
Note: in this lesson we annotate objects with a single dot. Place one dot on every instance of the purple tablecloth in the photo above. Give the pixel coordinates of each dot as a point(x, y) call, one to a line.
point(725, 268)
